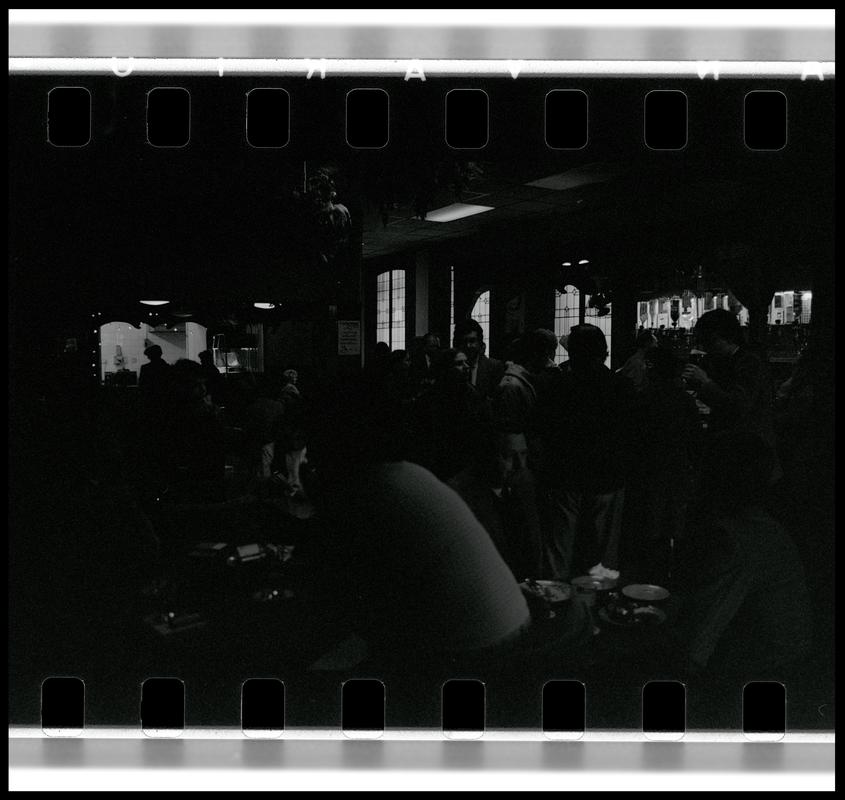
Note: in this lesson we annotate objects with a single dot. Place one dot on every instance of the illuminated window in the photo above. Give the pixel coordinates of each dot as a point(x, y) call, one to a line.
point(806, 307)
point(122, 346)
point(573, 308)
point(567, 314)
point(790, 306)
point(390, 308)
point(481, 314)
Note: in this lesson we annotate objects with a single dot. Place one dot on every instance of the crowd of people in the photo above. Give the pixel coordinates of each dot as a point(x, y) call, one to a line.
point(576, 469)
point(438, 480)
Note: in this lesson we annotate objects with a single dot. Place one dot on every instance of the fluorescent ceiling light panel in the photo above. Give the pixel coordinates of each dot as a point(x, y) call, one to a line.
point(455, 211)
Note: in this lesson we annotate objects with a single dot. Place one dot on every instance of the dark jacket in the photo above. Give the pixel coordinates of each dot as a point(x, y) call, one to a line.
point(587, 421)
point(669, 427)
point(448, 423)
point(739, 394)
point(746, 601)
point(154, 379)
point(488, 375)
point(510, 517)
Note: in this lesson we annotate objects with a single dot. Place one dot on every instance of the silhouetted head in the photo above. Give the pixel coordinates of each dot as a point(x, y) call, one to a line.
point(153, 352)
point(187, 383)
point(587, 346)
point(381, 352)
point(718, 332)
point(206, 358)
point(535, 349)
point(290, 376)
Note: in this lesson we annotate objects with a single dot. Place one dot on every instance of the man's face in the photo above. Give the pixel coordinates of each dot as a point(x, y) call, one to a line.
point(512, 456)
point(460, 366)
point(471, 345)
point(432, 345)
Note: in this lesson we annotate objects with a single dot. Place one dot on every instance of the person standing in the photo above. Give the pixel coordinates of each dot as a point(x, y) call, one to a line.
point(155, 376)
point(657, 498)
point(448, 418)
point(484, 373)
point(213, 378)
point(732, 380)
point(423, 363)
point(586, 424)
point(635, 368)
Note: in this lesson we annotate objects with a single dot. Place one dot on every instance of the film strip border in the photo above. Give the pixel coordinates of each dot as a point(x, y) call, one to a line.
point(474, 113)
point(422, 69)
point(363, 709)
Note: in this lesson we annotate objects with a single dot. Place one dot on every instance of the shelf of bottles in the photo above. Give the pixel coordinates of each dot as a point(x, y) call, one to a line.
point(672, 319)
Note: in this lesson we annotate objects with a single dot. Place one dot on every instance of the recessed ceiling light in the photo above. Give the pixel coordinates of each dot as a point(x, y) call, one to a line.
point(155, 302)
point(455, 211)
point(583, 261)
point(265, 306)
point(566, 264)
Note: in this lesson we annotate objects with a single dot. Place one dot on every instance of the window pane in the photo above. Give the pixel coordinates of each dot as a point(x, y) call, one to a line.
point(481, 314)
point(390, 308)
point(567, 304)
point(383, 306)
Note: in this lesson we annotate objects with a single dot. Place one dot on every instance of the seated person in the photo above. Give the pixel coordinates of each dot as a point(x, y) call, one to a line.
point(413, 570)
point(499, 489)
point(745, 603)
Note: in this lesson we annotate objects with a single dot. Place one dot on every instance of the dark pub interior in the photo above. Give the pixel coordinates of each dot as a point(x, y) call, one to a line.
point(513, 408)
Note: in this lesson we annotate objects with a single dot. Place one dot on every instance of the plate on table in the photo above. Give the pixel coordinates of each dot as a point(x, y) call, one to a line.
point(646, 616)
point(592, 583)
point(550, 591)
point(645, 592)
